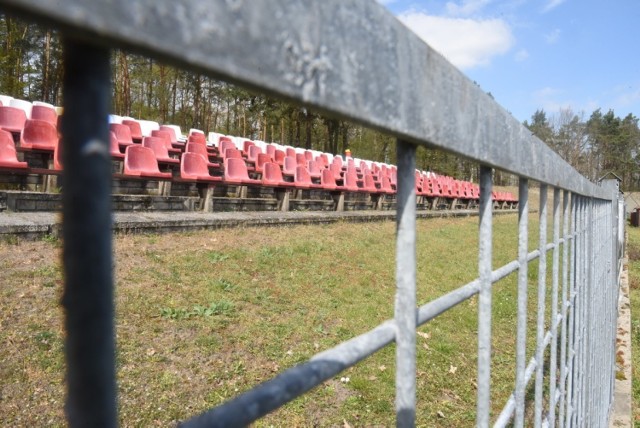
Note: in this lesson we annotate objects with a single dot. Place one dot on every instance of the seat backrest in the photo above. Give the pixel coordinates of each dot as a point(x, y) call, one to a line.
point(289, 165)
point(261, 159)
point(225, 145)
point(301, 159)
point(45, 113)
point(197, 148)
point(114, 147)
point(5, 100)
point(271, 150)
point(327, 180)
point(246, 144)
point(176, 131)
point(279, 156)
point(158, 145)
point(170, 130)
point(12, 119)
point(24, 105)
point(147, 126)
point(165, 135)
point(7, 148)
point(302, 175)
point(253, 152)
point(138, 158)
point(134, 127)
point(271, 174)
point(233, 153)
point(39, 132)
point(235, 168)
point(290, 151)
point(123, 133)
point(193, 166)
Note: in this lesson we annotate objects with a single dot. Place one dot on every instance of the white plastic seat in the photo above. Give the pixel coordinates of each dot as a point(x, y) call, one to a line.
point(42, 103)
point(114, 118)
point(194, 130)
point(22, 104)
point(213, 139)
point(6, 100)
point(179, 135)
point(146, 126)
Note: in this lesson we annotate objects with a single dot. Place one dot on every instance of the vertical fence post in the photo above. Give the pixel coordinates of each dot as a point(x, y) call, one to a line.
point(88, 291)
point(523, 291)
point(542, 285)
point(571, 333)
point(564, 309)
point(405, 305)
point(554, 307)
point(484, 300)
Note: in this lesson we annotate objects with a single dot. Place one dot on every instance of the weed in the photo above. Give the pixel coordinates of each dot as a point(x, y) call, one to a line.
point(215, 308)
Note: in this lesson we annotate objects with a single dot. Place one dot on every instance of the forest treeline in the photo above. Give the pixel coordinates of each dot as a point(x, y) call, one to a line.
point(31, 68)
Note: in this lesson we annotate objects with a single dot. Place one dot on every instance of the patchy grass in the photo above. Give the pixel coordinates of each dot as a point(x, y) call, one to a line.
point(633, 254)
point(204, 316)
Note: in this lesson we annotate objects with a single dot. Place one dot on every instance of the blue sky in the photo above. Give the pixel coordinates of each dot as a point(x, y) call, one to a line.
point(538, 54)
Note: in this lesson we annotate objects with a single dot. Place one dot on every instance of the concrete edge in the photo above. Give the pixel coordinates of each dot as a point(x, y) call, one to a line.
point(621, 413)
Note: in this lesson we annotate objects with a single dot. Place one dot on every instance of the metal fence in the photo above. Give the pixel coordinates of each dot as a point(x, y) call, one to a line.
point(350, 59)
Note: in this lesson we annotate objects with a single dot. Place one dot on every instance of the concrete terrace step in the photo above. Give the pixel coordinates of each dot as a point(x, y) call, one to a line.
point(35, 225)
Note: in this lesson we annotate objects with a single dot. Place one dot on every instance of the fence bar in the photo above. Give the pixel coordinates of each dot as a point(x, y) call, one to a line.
point(564, 310)
point(542, 279)
point(523, 290)
point(405, 305)
point(88, 290)
point(484, 301)
point(555, 268)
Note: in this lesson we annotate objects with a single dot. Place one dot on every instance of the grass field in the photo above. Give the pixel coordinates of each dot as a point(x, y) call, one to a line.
point(633, 253)
point(204, 316)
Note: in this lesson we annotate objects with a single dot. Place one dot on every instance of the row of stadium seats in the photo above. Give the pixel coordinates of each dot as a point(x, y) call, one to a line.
point(143, 149)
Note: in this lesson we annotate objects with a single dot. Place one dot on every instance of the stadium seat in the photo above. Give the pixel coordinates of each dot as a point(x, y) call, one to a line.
point(327, 180)
point(235, 172)
point(194, 166)
point(12, 119)
point(289, 166)
point(39, 135)
point(147, 126)
point(180, 138)
point(203, 151)
point(279, 156)
point(25, 106)
point(123, 134)
point(302, 179)
point(114, 147)
point(272, 176)
point(253, 152)
point(114, 118)
point(159, 147)
point(45, 113)
point(140, 161)
point(8, 157)
point(5, 100)
point(166, 136)
point(261, 159)
point(136, 130)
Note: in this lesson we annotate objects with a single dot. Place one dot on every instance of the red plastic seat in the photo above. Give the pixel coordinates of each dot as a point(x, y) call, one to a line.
point(8, 157)
point(302, 179)
point(246, 145)
point(194, 166)
point(160, 150)
point(308, 154)
point(301, 159)
point(114, 147)
point(173, 138)
point(314, 170)
point(136, 130)
point(197, 137)
point(235, 172)
point(262, 159)
point(290, 151)
point(201, 150)
point(44, 113)
point(369, 184)
point(272, 175)
point(271, 150)
point(289, 166)
point(39, 135)
point(385, 185)
point(12, 119)
point(350, 181)
point(253, 152)
point(123, 134)
point(327, 180)
point(322, 160)
point(140, 161)
point(279, 157)
point(166, 137)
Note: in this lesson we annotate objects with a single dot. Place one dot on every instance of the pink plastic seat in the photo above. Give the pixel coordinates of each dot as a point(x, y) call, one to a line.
point(194, 166)
point(272, 175)
point(235, 172)
point(136, 130)
point(314, 170)
point(302, 179)
point(289, 166)
point(166, 137)
point(173, 138)
point(253, 152)
point(385, 185)
point(279, 157)
point(246, 145)
point(45, 113)
point(197, 137)
point(201, 150)
point(8, 156)
point(39, 135)
point(301, 159)
point(290, 151)
point(12, 119)
point(271, 150)
point(140, 161)
point(369, 184)
point(114, 147)
point(160, 150)
point(224, 145)
point(262, 159)
point(327, 180)
point(122, 133)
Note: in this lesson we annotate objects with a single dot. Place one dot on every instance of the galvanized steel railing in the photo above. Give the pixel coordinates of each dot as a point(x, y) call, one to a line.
point(354, 60)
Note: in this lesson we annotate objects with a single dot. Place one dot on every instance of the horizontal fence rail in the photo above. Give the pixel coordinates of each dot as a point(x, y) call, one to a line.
point(353, 60)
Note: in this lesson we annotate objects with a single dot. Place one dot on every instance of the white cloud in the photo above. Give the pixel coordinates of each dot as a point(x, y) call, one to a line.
point(386, 2)
point(552, 4)
point(522, 55)
point(468, 7)
point(467, 43)
point(553, 36)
